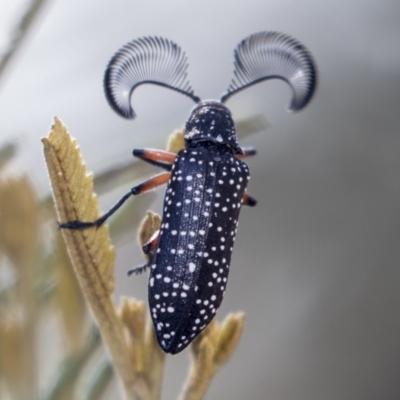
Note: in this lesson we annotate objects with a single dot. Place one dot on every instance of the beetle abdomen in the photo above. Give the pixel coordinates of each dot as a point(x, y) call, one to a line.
point(190, 266)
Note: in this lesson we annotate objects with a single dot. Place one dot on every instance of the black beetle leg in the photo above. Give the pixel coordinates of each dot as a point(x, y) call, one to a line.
point(148, 248)
point(138, 270)
point(143, 187)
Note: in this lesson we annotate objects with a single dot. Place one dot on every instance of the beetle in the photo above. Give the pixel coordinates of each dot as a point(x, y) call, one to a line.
point(189, 257)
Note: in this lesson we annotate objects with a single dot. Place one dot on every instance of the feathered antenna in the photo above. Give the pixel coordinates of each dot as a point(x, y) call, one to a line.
point(146, 60)
point(268, 55)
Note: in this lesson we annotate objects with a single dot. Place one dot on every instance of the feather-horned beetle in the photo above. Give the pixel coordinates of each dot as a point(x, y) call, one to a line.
point(189, 256)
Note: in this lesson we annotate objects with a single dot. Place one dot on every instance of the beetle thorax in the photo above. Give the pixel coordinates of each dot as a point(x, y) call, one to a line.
point(211, 122)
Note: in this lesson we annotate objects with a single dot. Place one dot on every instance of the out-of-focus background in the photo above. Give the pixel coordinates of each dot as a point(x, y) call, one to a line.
point(316, 264)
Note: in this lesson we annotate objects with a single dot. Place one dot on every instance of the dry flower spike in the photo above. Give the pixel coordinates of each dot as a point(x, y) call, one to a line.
point(91, 252)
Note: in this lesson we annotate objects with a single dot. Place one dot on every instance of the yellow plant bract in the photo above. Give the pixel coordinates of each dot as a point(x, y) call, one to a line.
point(90, 250)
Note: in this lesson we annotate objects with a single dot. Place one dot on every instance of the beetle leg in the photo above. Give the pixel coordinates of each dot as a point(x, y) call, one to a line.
point(143, 187)
point(247, 151)
point(148, 248)
point(159, 158)
point(248, 200)
point(138, 270)
point(151, 183)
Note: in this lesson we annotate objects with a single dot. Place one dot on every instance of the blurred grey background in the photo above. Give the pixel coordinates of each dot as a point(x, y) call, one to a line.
point(316, 264)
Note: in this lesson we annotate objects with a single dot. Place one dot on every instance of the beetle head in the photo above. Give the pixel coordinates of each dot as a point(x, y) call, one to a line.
point(211, 121)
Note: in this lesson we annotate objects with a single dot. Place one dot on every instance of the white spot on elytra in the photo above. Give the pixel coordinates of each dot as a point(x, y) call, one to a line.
point(192, 267)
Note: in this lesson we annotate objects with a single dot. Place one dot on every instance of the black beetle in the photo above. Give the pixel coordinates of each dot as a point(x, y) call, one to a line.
point(207, 181)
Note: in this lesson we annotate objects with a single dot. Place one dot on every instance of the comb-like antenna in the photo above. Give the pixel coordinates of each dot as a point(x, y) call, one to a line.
point(267, 55)
point(146, 60)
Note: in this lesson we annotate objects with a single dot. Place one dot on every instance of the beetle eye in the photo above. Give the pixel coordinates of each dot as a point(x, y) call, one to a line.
point(268, 55)
point(146, 60)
